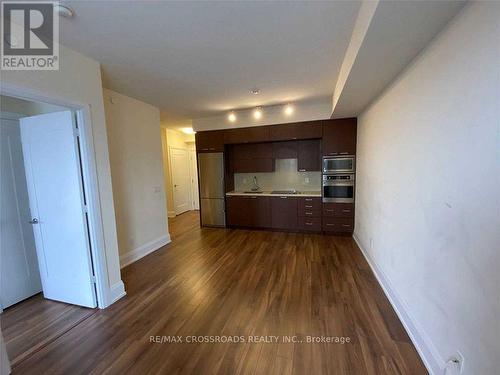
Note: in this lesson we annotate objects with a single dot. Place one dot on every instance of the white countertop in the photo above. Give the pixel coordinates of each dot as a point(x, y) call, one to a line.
point(268, 193)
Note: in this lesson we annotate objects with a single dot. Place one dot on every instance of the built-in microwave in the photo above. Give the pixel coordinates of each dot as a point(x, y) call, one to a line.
point(338, 188)
point(339, 164)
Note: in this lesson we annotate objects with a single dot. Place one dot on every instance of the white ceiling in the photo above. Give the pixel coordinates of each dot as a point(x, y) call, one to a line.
point(194, 59)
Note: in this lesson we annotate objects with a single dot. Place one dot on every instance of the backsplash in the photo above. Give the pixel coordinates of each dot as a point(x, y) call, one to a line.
point(285, 177)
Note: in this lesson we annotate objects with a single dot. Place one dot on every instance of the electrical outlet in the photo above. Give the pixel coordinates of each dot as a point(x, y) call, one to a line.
point(306, 180)
point(157, 189)
point(371, 243)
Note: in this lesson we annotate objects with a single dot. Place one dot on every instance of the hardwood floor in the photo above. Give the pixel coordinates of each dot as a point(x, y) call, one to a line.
point(31, 324)
point(239, 283)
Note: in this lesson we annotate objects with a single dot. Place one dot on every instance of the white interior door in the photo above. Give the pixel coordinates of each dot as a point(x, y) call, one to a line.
point(179, 164)
point(194, 180)
point(19, 275)
point(57, 207)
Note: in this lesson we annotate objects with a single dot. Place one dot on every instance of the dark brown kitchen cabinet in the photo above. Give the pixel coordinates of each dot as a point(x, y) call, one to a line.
point(338, 209)
point(297, 130)
point(284, 213)
point(338, 225)
point(253, 165)
point(252, 158)
point(248, 211)
point(247, 135)
point(339, 137)
point(309, 157)
point(285, 150)
point(210, 141)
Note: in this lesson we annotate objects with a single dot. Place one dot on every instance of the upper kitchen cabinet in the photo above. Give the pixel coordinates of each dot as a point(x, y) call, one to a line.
point(339, 137)
point(210, 141)
point(285, 150)
point(252, 158)
point(247, 135)
point(309, 155)
point(297, 130)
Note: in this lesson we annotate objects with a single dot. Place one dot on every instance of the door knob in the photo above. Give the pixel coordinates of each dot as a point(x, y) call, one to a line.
point(34, 221)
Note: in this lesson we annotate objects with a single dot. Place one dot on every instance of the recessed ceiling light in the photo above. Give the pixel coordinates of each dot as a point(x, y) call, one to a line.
point(231, 117)
point(188, 130)
point(289, 109)
point(257, 113)
point(64, 11)
point(255, 91)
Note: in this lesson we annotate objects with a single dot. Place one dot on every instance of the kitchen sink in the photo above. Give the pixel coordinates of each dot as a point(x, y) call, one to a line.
point(284, 192)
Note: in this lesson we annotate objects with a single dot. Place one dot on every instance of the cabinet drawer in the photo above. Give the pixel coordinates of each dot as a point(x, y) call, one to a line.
point(338, 209)
point(312, 224)
point(332, 224)
point(309, 213)
point(309, 204)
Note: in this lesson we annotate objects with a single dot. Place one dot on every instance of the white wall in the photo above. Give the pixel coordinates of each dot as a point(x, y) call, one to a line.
point(317, 110)
point(428, 191)
point(79, 81)
point(136, 168)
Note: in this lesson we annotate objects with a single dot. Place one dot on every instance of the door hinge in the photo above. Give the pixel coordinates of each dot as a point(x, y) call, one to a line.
point(93, 279)
point(85, 209)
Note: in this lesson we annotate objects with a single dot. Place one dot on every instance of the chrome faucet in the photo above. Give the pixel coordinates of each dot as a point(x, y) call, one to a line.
point(255, 186)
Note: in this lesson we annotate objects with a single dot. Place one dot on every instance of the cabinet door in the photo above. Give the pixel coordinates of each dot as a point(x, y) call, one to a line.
point(296, 130)
point(247, 135)
point(339, 137)
point(210, 141)
point(253, 165)
point(284, 212)
point(253, 151)
point(310, 130)
point(285, 150)
point(309, 158)
point(248, 211)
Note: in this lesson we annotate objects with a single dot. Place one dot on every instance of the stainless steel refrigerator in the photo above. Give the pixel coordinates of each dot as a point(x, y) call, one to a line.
point(211, 175)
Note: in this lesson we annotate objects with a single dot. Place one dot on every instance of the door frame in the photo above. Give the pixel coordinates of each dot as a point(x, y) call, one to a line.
point(89, 172)
point(170, 148)
point(193, 173)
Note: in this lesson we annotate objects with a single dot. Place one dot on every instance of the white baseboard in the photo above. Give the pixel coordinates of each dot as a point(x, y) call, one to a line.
point(136, 254)
point(116, 291)
point(425, 348)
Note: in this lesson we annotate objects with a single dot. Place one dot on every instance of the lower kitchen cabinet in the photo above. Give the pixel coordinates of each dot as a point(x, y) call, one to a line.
point(284, 213)
point(309, 224)
point(248, 211)
point(338, 225)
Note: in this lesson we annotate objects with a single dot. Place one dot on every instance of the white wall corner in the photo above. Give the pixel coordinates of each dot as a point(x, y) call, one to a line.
point(425, 348)
point(142, 251)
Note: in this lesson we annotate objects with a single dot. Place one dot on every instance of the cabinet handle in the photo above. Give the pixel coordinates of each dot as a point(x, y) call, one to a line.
point(309, 223)
point(212, 148)
point(308, 199)
point(343, 153)
point(309, 213)
point(309, 206)
point(283, 197)
point(328, 210)
point(330, 225)
point(333, 153)
point(346, 210)
point(346, 225)
point(204, 149)
point(302, 170)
